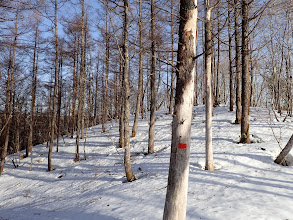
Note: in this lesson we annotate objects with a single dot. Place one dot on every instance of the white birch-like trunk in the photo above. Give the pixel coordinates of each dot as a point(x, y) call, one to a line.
point(176, 198)
point(208, 72)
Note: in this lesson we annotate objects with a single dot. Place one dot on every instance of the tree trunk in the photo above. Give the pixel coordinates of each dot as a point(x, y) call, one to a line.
point(105, 97)
point(128, 169)
point(8, 102)
point(217, 92)
point(282, 156)
point(176, 198)
point(151, 147)
point(74, 88)
point(59, 98)
point(172, 60)
point(208, 71)
point(230, 62)
point(50, 167)
point(33, 102)
point(237, 63)
point(140, 79)
point(245, 74)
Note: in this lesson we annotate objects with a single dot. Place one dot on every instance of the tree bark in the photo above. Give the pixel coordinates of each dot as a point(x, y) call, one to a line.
point(282, 156)
point(151, 147)
point(105, 97)
point(140, 77)
point(230, 62)
point(245, 99)
point(176, 197)
point(172, 59)
point(237, 63)
point(33, 102)
point(50, 167)
point(208, 72)
point(127, 163)
point(74, 88)
point(59, 99)
point(8, 102)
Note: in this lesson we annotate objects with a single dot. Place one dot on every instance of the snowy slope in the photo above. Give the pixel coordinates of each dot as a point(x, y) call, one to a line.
point(246, 183)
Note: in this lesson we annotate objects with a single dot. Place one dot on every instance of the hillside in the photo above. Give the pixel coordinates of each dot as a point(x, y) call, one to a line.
point(246, 184)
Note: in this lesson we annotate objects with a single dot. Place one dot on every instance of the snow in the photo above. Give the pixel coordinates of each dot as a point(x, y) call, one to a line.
point(246, 184)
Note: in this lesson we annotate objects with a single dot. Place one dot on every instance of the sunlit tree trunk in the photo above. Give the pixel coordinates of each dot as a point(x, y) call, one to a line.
point(282, 156)
point(140, 77)
point(245, 99)
point(176, 197)
point(128, 170)
point(208, 72)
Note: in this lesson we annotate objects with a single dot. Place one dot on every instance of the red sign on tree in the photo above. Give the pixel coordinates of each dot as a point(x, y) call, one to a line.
point(182, 146)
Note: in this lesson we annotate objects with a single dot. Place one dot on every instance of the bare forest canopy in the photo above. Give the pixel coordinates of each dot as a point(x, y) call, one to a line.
point(62, 62)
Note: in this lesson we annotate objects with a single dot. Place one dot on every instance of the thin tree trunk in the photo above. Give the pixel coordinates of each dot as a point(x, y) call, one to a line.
point(151, 147)
point(74, 88)
point(140, 79)
point(176, 197)
point(121, 105)
point(208, 71)
point(8, 103)
point(217, 95)
point(237, 63)
point(105, 97)
point(230, 61)
point(50, 167)
point(172, 59)
point(83, 70)
point(59, 98)
point(128, 169)
point(245, 74)
point(33, 102)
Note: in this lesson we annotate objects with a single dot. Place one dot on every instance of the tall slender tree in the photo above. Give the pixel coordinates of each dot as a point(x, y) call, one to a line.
point(172, 58)
point(153, 102)
point(105, 95)
point(208, 72)
point(237, 62)
point(33, 102)
point(140, 77)
point(127, 163)
point(7, 114)
point(245, 99)
point(53, 123)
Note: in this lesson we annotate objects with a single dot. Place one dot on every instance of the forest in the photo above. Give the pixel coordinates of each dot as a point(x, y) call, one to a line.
point(147, 82)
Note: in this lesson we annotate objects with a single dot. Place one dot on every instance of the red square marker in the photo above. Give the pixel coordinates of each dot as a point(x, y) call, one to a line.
point(182, 146)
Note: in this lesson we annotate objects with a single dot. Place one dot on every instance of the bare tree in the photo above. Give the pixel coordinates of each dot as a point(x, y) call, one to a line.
point(245, 99)
point(176, 197)
point(9, 96)
point(140, 77)
point(153, 102)
point(128, 169)
point(52, 129)
point(33, 102)
point(237, 62)
point(208, 72)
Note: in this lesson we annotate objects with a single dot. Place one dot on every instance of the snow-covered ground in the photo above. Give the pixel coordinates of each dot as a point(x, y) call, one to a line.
point(246, 184)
